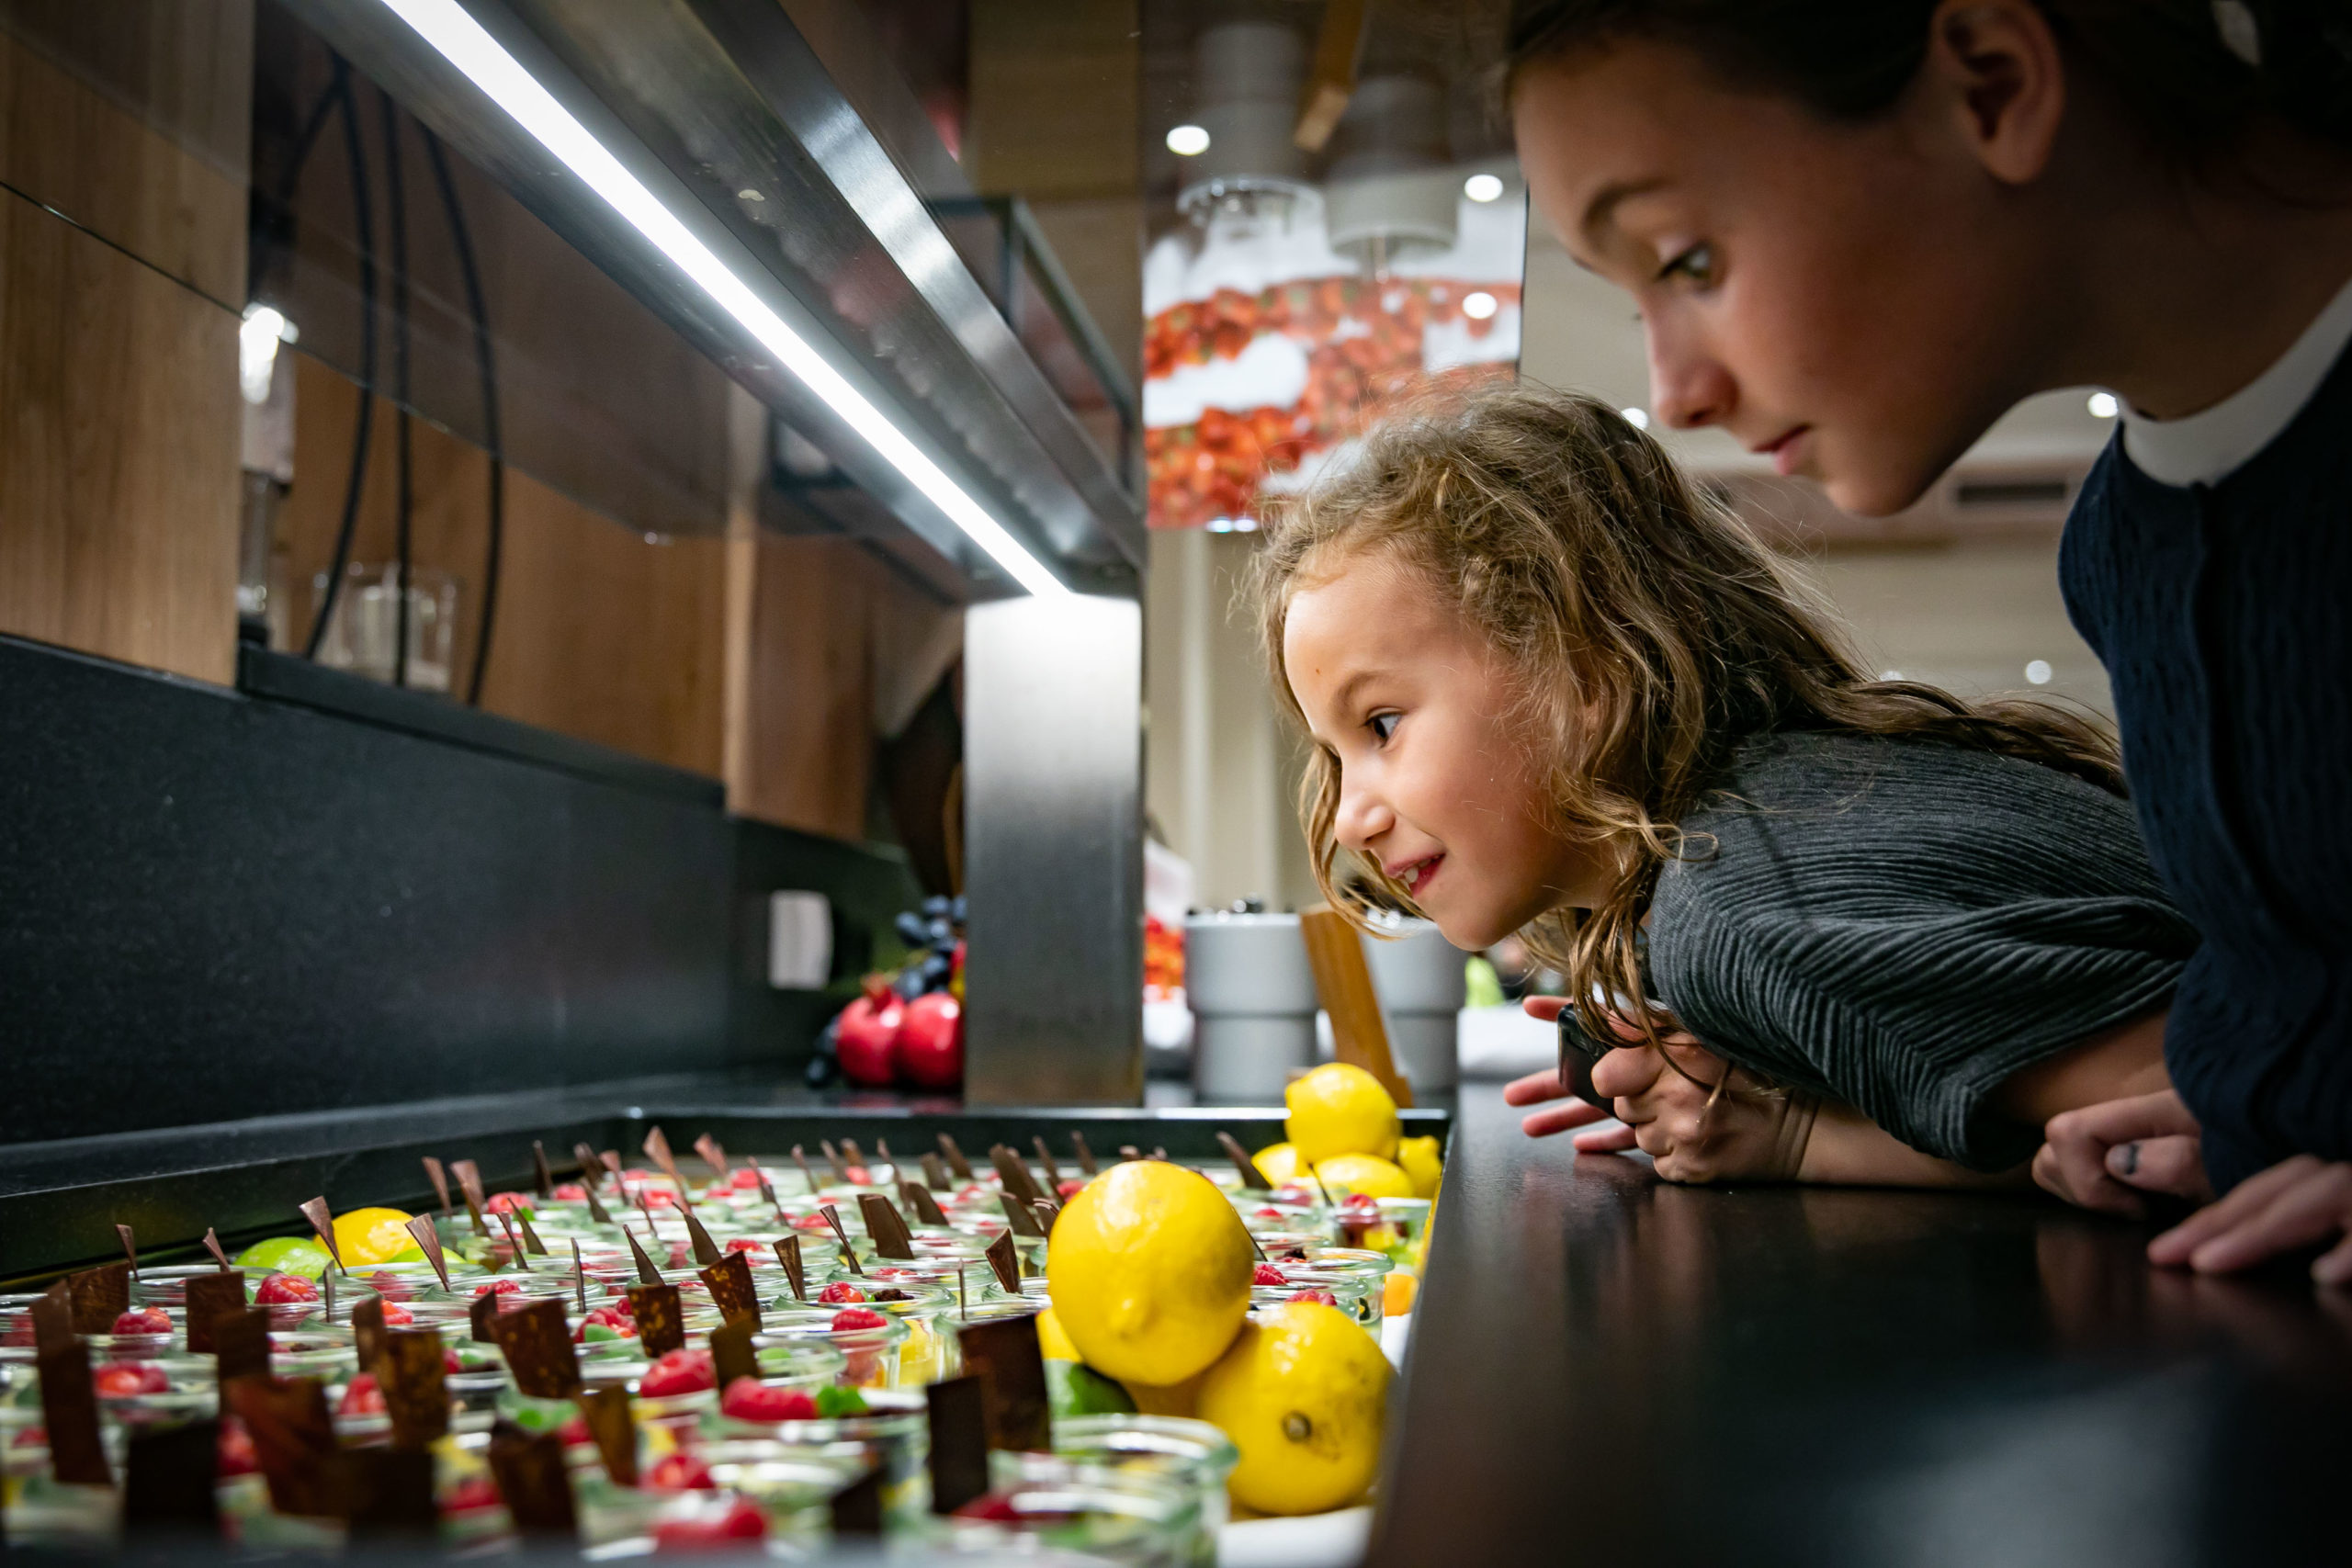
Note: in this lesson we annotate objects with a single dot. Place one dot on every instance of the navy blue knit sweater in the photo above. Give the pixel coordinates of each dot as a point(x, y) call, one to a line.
point(2223, 614)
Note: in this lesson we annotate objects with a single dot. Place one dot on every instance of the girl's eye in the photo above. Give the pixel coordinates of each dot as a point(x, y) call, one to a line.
point(1695, 266)
point(1383, 724)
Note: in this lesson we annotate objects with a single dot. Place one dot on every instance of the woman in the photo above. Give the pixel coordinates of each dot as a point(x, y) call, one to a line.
point(1857, 234)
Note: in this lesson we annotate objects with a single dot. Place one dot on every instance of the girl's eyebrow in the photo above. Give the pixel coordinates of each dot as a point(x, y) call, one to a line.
point(1340, 698)
point(1601, 210)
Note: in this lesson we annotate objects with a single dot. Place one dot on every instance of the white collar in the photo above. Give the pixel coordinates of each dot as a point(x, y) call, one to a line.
point(2206, 447)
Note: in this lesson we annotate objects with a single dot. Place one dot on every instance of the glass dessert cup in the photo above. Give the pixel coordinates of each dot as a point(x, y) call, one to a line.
point(870, 1357)
point(1044, 1502)
point(1360, 1299)
point(1196, 1454)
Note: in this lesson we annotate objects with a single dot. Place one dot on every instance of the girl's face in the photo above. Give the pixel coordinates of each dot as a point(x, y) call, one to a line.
point(1853, 301)
point(1437, 783)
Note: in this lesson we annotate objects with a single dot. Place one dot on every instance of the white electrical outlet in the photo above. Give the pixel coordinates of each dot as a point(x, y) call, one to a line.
point(800, 941)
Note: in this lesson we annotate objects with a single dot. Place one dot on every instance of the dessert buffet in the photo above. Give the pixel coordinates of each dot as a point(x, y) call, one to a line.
point(1111, 1352)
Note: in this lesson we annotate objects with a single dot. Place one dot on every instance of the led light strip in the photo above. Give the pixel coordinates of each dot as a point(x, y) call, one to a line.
point(463, 42)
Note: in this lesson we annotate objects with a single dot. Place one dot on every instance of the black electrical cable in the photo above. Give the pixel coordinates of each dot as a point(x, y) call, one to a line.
point(364, 233)
point(491, 439)
point(396, 206)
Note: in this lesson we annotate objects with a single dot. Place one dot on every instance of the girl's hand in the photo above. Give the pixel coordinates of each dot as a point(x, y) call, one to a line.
point(1695, 1132)
point(1536, 1088)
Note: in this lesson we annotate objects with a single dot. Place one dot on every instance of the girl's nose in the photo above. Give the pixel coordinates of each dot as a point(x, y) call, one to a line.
point(1362, 818)
point(1689, 387)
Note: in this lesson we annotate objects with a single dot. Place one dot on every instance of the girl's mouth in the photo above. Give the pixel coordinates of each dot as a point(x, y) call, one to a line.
point(1418, 874)
point(1787, 451)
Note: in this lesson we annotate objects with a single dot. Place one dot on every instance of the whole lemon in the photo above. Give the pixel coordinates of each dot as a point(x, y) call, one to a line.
point(1340, 1109)
point(1052, 1343)
point(1361, 1173)
point(1279, 1163)
point(1300, 1394)
point(1419, 1159)
point(1148, 1269)
point(374, 1235)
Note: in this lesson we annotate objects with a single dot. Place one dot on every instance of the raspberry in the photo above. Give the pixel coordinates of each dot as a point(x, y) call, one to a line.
point(680, 1371)
point(145, 1320)
point(362, 1397)
point(1267, 1274)
point(679, 1472)
point(499, 1287)
point(858, 1317)
point(840, 1290)
point(742, 1521)
point(1326, 1297)
point(122, 1379)
point(282, 1288)
point(747, 1399)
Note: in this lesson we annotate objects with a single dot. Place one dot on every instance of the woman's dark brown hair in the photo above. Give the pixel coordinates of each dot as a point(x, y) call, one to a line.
point(1647, 630)
point(2180, 68)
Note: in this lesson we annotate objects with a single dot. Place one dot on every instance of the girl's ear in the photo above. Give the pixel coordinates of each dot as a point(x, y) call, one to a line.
point(1994, 70)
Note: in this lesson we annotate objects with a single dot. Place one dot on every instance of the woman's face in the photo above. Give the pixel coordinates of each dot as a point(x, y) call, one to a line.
point(1437, 782)
point(1850, 301)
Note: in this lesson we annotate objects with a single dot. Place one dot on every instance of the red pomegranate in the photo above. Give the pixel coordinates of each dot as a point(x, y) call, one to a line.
point(868, 1035)
point(931, 1042)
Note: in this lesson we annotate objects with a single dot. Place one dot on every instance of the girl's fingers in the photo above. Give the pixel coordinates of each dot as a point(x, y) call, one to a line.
point(1607, 1141)
point(2315, 1206)
point(1548, 1009)
point(1561, 1118)
point(1534, 1088)
point(2248, 1198)
point(1627, 1071)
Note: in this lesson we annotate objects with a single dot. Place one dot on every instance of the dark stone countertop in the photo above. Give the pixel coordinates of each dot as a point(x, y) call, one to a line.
point(1608, 1366)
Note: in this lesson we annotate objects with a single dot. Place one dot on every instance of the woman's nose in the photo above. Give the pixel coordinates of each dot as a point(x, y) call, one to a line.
point(1689, 387)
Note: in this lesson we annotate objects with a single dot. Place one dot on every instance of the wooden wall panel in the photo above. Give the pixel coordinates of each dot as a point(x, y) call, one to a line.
point(805, 759)
point(118, 452)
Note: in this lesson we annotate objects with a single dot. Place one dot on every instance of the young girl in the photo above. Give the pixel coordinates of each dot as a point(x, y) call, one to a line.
point(1554, 690)
point(1857, 234)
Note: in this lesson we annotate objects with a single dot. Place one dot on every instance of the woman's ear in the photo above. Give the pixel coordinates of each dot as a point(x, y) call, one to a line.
point(1993, 71)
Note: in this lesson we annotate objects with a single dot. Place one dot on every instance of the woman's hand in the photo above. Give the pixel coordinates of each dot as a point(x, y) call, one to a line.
point(2296, 1203)
point(2103, 1156)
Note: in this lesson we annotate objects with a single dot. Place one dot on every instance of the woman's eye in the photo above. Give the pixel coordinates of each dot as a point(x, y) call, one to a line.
point(1383, 724)
point(1695, 266)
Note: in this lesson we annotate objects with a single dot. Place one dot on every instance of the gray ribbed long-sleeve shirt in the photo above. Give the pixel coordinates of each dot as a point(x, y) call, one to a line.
point(1902, 925)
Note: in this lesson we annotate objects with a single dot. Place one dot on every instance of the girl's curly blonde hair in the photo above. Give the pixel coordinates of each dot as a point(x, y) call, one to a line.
point(1648, 633)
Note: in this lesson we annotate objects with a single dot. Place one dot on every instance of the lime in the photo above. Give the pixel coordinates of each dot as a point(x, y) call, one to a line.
point(303, 1255)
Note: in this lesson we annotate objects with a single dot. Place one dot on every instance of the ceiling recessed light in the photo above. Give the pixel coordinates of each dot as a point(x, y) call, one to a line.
point(2103, 405)
point(1479, 305)
point(1483, 188)
point(1188, 140)
point(2037, 671)
point(1638, 418)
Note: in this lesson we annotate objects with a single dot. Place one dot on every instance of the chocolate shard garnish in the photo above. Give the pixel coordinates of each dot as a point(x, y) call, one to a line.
point(578, 1277)
point(219, 1254)
point(130, 1247)
point(241, 1344)
point(532, 1482)
point(388, 1496)
point(661, 1320)
point(536, 1342)
point(1047, 1212)
point(732, 1355)
point(857, 1507)
point(647, 1274)
point(705, 1250)
point(514, 1243)
point(955, 1160)
point(468, 1177)
point(1004, 1260)
point(540, 1170)
point(713, 1155)
point(1004, 1353)
point(326, 1288)
point(882, 1153)
point(367, 1331)
point(1085, 1155)
point(1020, 1214)
point(52, 1312)
point(428, 1241)
point(1129, 1152)
point(440, 1179)
point(926, 1207)
point(169, 1477)
point(959, 1441)
point(592, 1169)
point(962, 1296)
point(833, 1158)
point(796, 1271)
point(851, 1153)
point(293, 1441)
point(612, 1158)
point(321, 1220)
point(596, 1209)
point(934, 1174)
point(410, 1371)
point(1259, 1252)
point(885, 1226)
point(611, 1424)
point(1160, 1153)
point(1018, 1184)
point(807, 1176)
point(731, 1289)
point(1251, 1177)
point(767, 1190)
point(657, 1149)
point(480, 1316)
point(531, 1237)
point(98, 1297)
point(849, 1253)
point(209, 1295)
point(69, 1410)
point(1046, 1162)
